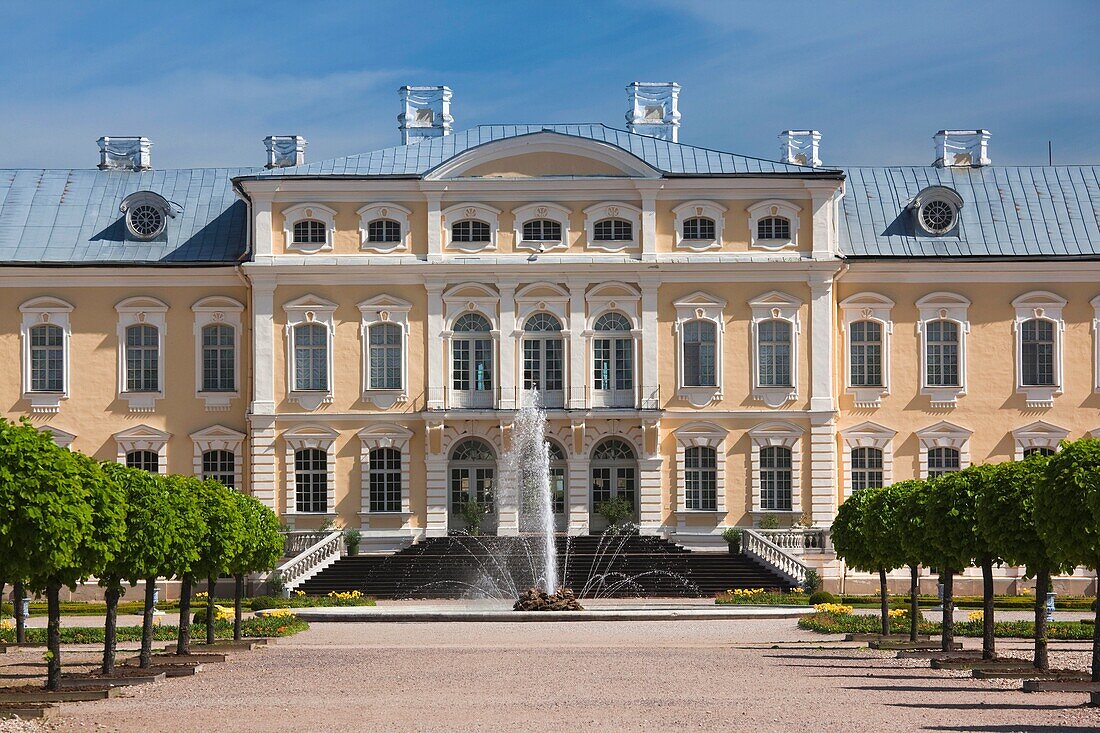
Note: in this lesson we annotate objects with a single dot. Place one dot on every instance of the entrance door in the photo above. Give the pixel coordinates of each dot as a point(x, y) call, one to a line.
point(614, 474)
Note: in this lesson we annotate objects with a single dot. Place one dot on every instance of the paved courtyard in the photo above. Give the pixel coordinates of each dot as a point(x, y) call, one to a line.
point(760, 675)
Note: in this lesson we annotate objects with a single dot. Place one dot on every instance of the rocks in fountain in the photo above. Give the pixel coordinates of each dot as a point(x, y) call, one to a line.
point(534, 599)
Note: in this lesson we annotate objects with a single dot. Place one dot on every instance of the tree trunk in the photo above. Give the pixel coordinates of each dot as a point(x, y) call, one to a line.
point(914, 608)
point(884, 601)
point(183, 641)
point(17, 597)
point(989, 642)
point(947, 633)
point(53, 636)
point(110, 626)
point(238, 596)
point(145, 658)
point(1042, 587)
point(1094, 698)
point(210, 613)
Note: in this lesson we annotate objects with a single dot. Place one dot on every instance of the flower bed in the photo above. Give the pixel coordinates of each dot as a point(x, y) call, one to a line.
point(301, 600)
point(281, 625)
point(760, 597)
point(826, 622)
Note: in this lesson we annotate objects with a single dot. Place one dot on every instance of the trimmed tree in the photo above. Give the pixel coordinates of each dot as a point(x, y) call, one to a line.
point(909, 498)
point(220, 543)
point(869, 539)
point(1067, 516)
point(186, 493)
point(849, 532)
point(260, 549)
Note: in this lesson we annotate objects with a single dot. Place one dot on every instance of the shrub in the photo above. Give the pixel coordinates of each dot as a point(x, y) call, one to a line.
point(616, 511)
point(759, 597)
point(769, 521)
point(473, 514)
point(732, 536)
point(812, 583)
point(352, 538)
point(822, 596)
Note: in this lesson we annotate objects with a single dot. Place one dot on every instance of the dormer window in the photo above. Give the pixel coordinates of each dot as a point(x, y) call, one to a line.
point(937, 210)
point(700, 227)
point(309, 232)
point(542, 230)
point(470, 230)
point(146, 214)
point(774, 227)
point(309, 228)
point(385, 231)
point(773, 224)
point(614, 230)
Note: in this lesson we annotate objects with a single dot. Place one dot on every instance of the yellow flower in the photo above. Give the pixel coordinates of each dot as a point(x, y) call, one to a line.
point(202, 595)
point(6, 624)
point(898, 612)
point(976, 616)
point(280, 613)
point(838, 608)
point(299, 593)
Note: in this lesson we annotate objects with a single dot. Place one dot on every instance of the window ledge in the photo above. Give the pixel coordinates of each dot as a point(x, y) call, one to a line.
point(401, 513)
point(539, 246)
point(142, 401)
point(45, 402)
point(1039, 397)
point(699, 245)
point(699, 396)
point(612, 246)
point(775, 396)
point(868, 398)
point(217, 401)
point(382, 247)
point(773, 244)
point(311, 400)
point(386, 398)
point(943, 398)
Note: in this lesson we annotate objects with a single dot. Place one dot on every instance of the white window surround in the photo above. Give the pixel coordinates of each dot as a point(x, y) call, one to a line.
point(612, 210)
point(219, 437)
point(38, 311)
point(692, 210)
point(773, 207)
point(868, 435)
point(943, 306)
point(1038, 434)
point(775, 305)
point(143, 437)
point(141, 310)
point(1042, 305)
point(372, 212)
point(1095, 343)
point(944, 435)
point(541, 297)
point(316, 212)
point(469, 298)
point(61, 437)
point(621, 298)
point(699, 306)
point(309, 309)
point(705, 435)
point(553, 212)
point(867, 307)
point(777, 434)
point(393, 310)
point(218, 310)
point(372, 438)
point(462, 212)
point(301, 438)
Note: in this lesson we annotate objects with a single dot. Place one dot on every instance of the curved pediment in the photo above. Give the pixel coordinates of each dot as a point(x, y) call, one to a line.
point(544, 155)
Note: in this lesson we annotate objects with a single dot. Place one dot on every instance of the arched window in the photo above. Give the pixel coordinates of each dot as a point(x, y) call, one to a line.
point(613, 230)
point(942, 460)
point(776, 477)
point(384, 344)
point(311, 357)
point(47, 358)
point(221, 466)
point(310, 231)
point(773, 227)
point(311, 480)
point(473, 468)
point(701, 478)
point(384, 479)
point(700, 354)
point(942, 353)
point(146, 460)
point(218, 358)
point(774, 350)
point(472, 360)
point(384, 231)
point(614, 473)
point(543, 358)
point(470, 230)
point(613, 361)
point(866, 468)
point(699, 227)
point(865, 345)
point(142, 359)
point(1039, 451)
point(1037, 352)
point(542, 230)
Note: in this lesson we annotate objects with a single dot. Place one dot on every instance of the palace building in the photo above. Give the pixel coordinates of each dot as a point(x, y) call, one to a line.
point(720, 340)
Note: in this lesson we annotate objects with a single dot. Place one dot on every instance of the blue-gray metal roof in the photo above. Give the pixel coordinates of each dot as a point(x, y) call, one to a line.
point(667, 157)
point(1007, 211)
point(72, 216)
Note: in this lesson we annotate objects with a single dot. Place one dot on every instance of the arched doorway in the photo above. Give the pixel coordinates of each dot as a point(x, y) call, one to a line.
point(471, 474)
point(613, 474)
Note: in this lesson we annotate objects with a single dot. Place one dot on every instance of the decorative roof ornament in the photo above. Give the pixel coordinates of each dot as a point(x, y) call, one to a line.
point(654, 109)
point(427, 113)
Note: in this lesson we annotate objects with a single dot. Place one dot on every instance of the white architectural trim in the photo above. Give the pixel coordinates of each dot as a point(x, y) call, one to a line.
point(1095, 343)
point(141, 310)
point(62, 438)
point(867, 307)
point(544, 210)
point(868, 435)
point(39, 311)
point(218, 310)
point(309, 309)
point(461, 212)
point(612, 210)
point(143, 437)
point(1038, 434)
point(317, 212)
point(944, 435)
point(700, 306)
point(300, 438)
point(705, 435)
point(943, 306)
point(779, 434)
point(1042, 305)
point(691, 210)
point(470, 297)
point(391, 211)
point(371, 438)
point(775, 305)
point(219, 437)
point(773, 207)
point(543, 297)
point(617, 297)
point(376, 310)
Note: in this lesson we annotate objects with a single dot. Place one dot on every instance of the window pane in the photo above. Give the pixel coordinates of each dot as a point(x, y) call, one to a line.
point(220, 465)
point(311, 357)
point(142, 359)
point(47, 358)
point(1037, 355)
point(384, 344)
point(865, 339)
point(311, 480)
point(700, 367)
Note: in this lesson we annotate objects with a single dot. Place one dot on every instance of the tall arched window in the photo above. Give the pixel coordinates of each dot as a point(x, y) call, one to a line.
point(866, 468)
point(542, 230)
point(384, 479)
point(614, 473)
point(943, 460)
point(865, 349)
point(221, 466)
point(1037, 352)
point(942, 353)
point(776, 478)
point(699, 227)
point(472, 361)
point(146, 460)
point(701, 478)
point(142, 359)
point(47, 358)
point(700, 353)
point(384, 343)
point(774, 350)
point(470, 230)
point(544, 358)
point(473, 469)
point(311, 480)
point(613, 230)
point(310, 231)
point(612, 361)
point(384, 231)
point(773, 227)
point(218, 358)
point(311, 357)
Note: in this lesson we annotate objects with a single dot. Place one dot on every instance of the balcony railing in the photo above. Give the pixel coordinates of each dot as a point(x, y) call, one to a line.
point(761, 548)
point(797, 539)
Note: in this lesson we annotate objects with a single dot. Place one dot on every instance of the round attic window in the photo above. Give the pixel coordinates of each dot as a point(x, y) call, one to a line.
point(937, 216)
point(145, 221)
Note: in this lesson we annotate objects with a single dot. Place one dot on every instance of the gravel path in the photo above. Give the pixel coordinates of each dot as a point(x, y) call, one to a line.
point(642, 676)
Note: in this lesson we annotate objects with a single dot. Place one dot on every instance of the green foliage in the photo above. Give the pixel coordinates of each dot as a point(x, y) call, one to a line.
point(221, 541)
point(103, 542)
point(188, 524)
point(833, 623)
point(616, 510)
point(882, 527)
point(849, 539)
point(769, 521)
point(950, 516)
point(732, 536)
point(1067, 504)
point(352, 538)
point(260, 603)
point(760, 597)
point(253, 627)
point(812, 583)
point(910, 498)
point(261, 544)
point(473, 513)
point(822, 596)
point(147, 541)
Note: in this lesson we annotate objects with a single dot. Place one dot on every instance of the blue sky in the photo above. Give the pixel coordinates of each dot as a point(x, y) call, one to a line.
point(206, 81)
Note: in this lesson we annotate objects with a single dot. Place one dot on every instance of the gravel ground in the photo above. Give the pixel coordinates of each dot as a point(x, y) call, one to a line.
point(640, 676)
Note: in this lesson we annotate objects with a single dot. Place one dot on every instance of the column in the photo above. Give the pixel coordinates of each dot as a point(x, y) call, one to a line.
point(824, 484)
point(650, 357)
point(650, 480)
point(435, 226)
point(649, 225)
point(823, 202)
point(261, 459)
point(261, 224)
point(261, 418)
point(436, 370)
point(578, 368)
point(577, 503)
point(507, 346)
point(435, 478)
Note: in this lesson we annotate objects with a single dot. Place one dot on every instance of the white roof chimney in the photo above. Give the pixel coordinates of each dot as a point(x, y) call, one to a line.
point(427, 113)
point(128, 153)
point(284, 151)
point(962, 148)
point(800, 147)
point(654, 109)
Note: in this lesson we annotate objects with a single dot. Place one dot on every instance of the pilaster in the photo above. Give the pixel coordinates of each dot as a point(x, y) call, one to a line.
point(435, 226)
point(435, 524)
point(261, 461)
point(577, 494)
point(578, 372)
point(507, 346)
point(650, 356)
point(436, 368)
point(649, 225)
point(650, 495)
point(821, 340)
point(823, 470)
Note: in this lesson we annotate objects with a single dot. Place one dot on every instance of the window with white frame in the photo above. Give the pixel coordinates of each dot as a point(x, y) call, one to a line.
point(865, 321)
point(45, 335)
point(309, 227)
point(385, 326)
point(384, 479)
point(217, 351)
point(1038, 451)
point(310, 357)
point(544, 358)
point(220, 466)
point(558, 467)
point(218, 455)
point(1039, 331)
point(868, 456)
point(541, 226)
point(945, 447)
point(309, 331)
point(775, 325)
point(144, 460)
point(699, 342)
point(1037, 437)
point(699, 325)
point(141, 326)
point(700, 466)
point(699, 225)
point(310, 469)
point(612, 360)
point(384, 228)
point(612, 227)
point(472, 470)
point(774, 345)
point(776, 478)
point(472, 361)
point(776, 470)
point(943, 327)
point(773, 224)
point(384, 341)
point(47, 358)
point(866, 468)
point(384, 466)
point(142, 358)
point(614, 473)
point(470, 231)
point(471, 227)
point(219, 354)
point(143, 447)
point(311, 480)
point(865, 353)
point(943, 460)
point(542, 231)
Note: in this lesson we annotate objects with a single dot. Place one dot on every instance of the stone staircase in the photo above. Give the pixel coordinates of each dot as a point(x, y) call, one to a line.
point(608, 566)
